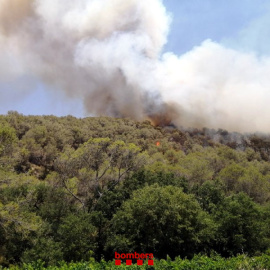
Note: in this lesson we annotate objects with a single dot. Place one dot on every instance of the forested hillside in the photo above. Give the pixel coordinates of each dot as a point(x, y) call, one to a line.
point(74, 189)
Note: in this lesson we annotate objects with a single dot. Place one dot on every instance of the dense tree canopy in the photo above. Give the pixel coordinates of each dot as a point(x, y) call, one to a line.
point(71, 189)
point(161, 220)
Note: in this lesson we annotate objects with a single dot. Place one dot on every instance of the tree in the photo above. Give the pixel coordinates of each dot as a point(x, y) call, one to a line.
point(210, 195)
point(230, 176)
point(241, 227)
point(255, 185)
point(17, 225)
point(97, 166)
point(197, 167)
point(78, 237)
point(7, 141)
point(161, 220)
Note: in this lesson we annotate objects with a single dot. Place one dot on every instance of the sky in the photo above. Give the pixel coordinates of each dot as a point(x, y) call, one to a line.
point(223, 21)
point(243, 25)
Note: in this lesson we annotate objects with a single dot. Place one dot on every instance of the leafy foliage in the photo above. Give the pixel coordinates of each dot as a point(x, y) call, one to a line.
point(161, 220)
point(199, 262)
point(72, 189)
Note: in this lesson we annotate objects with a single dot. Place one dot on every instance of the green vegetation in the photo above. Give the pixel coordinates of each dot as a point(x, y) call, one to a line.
point(198, 262)
point(77, 190)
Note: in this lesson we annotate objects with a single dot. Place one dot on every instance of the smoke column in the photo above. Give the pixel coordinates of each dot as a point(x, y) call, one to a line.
point(109, 54)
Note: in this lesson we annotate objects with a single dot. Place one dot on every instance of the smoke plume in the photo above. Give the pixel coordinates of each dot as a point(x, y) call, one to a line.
point(109, 54)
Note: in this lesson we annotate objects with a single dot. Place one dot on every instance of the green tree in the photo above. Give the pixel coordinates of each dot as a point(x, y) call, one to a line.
point(210, 195)
point(97, 166)
point(230, 176)
point(78, 237)
point(161, 220)
point(241, 226)
point(7, 142)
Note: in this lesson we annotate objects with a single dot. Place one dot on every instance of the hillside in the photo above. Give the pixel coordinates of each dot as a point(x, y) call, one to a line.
point(71, 189)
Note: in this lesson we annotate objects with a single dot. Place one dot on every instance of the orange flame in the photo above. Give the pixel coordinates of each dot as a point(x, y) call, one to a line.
point(157, 143)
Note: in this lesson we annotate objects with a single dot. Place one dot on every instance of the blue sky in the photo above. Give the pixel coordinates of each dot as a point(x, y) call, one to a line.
point(219, 20)
point(239, 24)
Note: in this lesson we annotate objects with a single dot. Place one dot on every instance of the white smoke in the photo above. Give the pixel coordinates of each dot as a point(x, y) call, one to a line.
point(220, 87)
point(109, 54)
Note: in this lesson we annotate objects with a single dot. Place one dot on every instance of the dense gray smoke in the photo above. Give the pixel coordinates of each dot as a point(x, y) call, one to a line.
point(109, 54)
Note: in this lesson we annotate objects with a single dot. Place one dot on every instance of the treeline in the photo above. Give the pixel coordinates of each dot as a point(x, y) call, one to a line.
point(74, 189)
